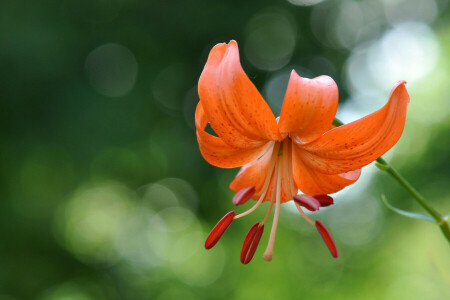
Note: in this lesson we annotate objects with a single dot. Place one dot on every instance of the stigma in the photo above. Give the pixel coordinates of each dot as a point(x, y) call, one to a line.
point(278, 187)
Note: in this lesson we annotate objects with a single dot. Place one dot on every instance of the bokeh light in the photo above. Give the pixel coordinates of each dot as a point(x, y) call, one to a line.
point(169, 86)
point(111, 69)
point(270, 39)
point(305, 2)
point(91, 219)
point(105, 194)
point(409, 51)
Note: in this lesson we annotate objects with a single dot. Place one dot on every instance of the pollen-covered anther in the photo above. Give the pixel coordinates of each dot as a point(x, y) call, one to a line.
point(327, 238)
point(308, 202)
point(324, 200)
point(251, 242)
point(218, 230)
point(243, 195)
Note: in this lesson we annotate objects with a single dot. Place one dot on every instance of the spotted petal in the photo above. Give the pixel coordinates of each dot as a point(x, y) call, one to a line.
point(233, 106)
point(312, 182)
point(218, 153)
point(309, 106)
point(356, 144)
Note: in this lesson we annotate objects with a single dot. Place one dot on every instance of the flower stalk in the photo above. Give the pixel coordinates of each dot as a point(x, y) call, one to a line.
point(382, 164)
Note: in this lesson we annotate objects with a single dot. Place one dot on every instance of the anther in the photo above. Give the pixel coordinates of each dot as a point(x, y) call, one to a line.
point(251, 242)
point(243, 195)
point(218, 230)
point(324, 200)
point(308, 202)
point(327, 238)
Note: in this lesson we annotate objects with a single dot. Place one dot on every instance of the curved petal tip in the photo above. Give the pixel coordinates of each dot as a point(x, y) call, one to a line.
point(398, 84)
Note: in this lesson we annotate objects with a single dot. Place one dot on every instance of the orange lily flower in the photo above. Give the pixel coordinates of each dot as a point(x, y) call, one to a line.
point(299, 150)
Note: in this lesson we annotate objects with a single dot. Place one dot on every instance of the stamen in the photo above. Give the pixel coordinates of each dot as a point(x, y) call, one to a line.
point(324, 200)
point(300, 210)
point(286, 174)
point(327, 238)
point(243, 195)
point(309, 202)
point(268, 254)
point(273, 160)
point(266, 184)
point(218, 230)
point(251, 242)
point(291, 172)
point(272, 201)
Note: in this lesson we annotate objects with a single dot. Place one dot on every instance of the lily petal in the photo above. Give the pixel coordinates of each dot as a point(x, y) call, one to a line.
point(234, 107)
point(252, 174)
point(312, 182)
point(309, 106)
point(357, 144)
point(218, 153)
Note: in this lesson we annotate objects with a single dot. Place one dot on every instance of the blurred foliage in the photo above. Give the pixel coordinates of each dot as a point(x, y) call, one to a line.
point(104, 194)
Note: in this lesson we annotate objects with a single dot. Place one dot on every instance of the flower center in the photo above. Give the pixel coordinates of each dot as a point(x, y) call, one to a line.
point(280, 174)
point(280, 171)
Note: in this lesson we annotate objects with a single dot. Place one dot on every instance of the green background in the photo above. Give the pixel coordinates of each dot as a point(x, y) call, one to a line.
point(104, 193)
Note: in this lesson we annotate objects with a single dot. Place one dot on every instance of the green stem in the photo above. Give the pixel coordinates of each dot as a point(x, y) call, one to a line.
point(441, 221)
point(384, 165)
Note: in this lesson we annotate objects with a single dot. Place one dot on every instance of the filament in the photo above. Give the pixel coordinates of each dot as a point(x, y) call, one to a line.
point(285, 177)
point(266, 183)
point(286, 174)
point(273, 160)
point(300, 210)
point(272, 200)
point(291, 172)
point(269, 250)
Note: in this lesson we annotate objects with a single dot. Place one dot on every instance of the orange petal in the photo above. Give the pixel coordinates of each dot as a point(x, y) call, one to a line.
point(309, 106)
point(234, 107)
point(311, 182)
point(252, 174)
point(354, 145)
point(218, 153)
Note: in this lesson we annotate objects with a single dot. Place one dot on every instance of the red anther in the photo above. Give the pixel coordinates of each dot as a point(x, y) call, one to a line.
point(244, 195)
point(327, 238)
point(324, 200)
point(218, 230)
point(309, 202)
point(251, 242)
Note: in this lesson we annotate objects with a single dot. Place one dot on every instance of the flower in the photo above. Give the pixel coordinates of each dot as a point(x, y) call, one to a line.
point(299, 150)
